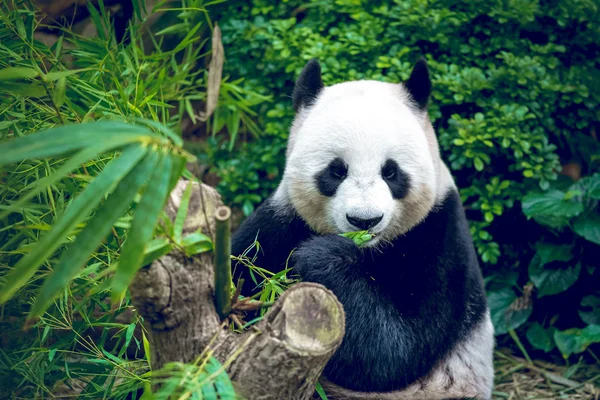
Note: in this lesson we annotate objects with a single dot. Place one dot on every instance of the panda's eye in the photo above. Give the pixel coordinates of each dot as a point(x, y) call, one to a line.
point(338, 169)
point(389, 170)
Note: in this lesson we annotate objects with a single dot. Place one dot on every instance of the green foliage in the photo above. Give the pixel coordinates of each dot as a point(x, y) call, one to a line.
point(515, 96)
point(359, 237)
point(85, 125)
point(206, 379)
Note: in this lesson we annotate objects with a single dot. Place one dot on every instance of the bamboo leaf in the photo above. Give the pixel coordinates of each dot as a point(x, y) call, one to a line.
point(60, 91)
point(14, 73)
point(72, 163)
point(221, 381)
point(182, 213)
point(177, 171)
point(23, 89)
point(156, 249)
point(90, 237)
point(53, 76)
point(62, 139)
point(74, 214)
point(146, 216)
point(176, 139)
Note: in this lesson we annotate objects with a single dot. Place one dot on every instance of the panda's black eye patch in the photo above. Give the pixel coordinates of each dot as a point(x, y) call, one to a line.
point(389, 171)
point(338, 169)
point(330, 178)
point(396, 179)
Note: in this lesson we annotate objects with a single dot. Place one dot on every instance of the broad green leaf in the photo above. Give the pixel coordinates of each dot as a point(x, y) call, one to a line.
point(588, 227)
point(514, 317)
point(590, 309)
point(144, 221)
point(573, 341)
point(498, 302)
point(77, 211)
point(359, 237)
point(156, 249)
point(549, 252)
point(550, 279)
point(14, 73)
point(551, 208)
point(62, 139)
point(196, 243)
point(182, 213)
point(540, 338)
point(589, 186)
point(95, 231)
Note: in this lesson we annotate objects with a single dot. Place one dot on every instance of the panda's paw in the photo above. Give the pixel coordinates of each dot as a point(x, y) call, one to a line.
point(322, 258)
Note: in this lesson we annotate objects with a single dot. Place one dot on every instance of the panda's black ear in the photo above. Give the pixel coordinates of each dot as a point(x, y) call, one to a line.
point(308, 85)
point(419, 84)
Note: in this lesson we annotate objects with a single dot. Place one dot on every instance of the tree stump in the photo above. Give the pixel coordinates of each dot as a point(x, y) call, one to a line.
point(282, 357)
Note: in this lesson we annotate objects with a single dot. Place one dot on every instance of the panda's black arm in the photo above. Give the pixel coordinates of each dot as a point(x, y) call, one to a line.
point(382, 350)
point(278, 231)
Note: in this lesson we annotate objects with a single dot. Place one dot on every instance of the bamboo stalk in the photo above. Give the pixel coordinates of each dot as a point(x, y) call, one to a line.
point(223, 262)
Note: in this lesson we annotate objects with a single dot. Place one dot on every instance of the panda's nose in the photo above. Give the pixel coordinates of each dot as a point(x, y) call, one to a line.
point(364, 223)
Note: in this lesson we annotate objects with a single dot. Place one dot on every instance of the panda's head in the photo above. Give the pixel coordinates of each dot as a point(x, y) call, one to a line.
point(362, 155)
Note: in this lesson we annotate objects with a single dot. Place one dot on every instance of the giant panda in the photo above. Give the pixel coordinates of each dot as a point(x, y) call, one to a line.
point(363, 155)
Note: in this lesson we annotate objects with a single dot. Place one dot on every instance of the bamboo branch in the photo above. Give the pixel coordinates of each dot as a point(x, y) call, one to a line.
point(223, 262)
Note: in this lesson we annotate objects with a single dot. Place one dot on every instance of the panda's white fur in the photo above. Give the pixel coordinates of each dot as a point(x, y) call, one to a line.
point(365, 123)
point(417, 324)
point(466, 373)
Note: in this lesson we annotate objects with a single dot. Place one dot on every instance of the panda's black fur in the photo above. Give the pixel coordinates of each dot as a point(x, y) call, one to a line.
point(407, 303)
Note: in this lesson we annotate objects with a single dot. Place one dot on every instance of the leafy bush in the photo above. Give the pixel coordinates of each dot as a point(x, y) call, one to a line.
point(516, 94)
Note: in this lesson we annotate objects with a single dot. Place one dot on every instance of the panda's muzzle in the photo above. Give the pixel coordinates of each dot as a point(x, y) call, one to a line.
point(364, 223)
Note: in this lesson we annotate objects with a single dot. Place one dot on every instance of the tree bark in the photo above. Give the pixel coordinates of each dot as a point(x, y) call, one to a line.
point(280, 358)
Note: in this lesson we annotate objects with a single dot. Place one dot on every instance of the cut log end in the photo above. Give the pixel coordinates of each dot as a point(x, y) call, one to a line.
point(311, 319)
point(223, 213)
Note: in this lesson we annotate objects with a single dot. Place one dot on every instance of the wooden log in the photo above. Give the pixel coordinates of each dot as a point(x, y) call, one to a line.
point(281, 358)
